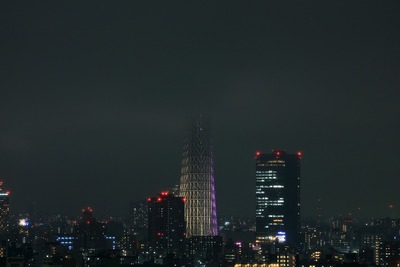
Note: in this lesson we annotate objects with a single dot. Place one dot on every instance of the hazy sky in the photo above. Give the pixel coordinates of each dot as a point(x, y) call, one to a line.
point(95, 97)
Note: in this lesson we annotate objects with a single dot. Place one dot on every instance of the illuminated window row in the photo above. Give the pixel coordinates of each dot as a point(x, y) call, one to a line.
point(275, 201)
point(263, 178)
point(270, 186)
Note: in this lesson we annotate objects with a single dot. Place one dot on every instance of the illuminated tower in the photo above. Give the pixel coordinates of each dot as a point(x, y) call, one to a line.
point(197, 181)
point(4, 211)
point(278, 197)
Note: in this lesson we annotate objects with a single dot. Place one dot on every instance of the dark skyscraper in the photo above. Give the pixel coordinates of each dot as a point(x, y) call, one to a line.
point(4, 219)
point(90, 234)
point(197, 181)
point(278, 197)
point(4, 211)
point(166, 223)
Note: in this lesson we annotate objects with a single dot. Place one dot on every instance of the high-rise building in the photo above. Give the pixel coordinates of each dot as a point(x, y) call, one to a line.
point(197, 181)
point(138, 215)
point(166, 224)
point(4, 220)
point(90, 234)
point(4, 210)
point(278, 197)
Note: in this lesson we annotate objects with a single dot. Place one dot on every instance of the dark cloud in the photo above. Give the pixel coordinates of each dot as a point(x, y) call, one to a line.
point(95, 99)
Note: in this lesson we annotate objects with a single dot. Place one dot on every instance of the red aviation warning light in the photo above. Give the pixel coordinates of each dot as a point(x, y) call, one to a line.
point(184, 199)
point(299, 154)
point(149, 199)
point(87, 210)
point(258, 153)
point(160, 234)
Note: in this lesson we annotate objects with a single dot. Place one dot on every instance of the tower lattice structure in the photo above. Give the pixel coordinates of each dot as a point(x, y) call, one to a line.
point(197, 181)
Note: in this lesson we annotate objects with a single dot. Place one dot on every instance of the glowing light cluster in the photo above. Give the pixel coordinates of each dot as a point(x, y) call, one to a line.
point(23, 222)
point(88, 209)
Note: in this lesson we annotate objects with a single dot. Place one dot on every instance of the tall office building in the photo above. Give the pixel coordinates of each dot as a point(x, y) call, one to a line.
point(166, 224)
point(4, 211)
point(4, 220)
point(89, 234)
point(197, 181)
point(278, 197)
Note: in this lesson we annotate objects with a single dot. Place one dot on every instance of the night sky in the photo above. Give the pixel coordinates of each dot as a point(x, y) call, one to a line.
point(95, 98)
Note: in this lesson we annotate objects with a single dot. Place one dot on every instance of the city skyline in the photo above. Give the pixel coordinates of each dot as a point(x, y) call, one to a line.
point(95, 99)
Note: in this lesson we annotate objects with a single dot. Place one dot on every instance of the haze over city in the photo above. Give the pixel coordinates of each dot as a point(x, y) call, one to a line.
point(96, 97)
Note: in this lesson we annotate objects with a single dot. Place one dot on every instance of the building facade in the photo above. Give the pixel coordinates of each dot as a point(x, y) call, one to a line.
point(138, 215)
point(197, 181)
point(206, 249)
point(4, 211)
point(4, 219)
point(89, 234)
point(278, 197)
point(166, 224)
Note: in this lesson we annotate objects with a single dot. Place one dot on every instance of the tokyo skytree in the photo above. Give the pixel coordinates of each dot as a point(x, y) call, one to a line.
point(197, 181)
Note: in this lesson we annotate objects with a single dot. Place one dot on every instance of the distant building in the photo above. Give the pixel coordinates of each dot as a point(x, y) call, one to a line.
point(166, 225)
point(4, 220)
point(205, 249)
point(389, 253)
point(278, 197)
point(89, 233)
point(138, 215)
point(370, 245)
point(4, 211)
point(174, 190)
